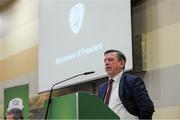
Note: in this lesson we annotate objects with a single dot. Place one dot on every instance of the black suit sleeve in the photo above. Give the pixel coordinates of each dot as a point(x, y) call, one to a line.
point(142, 99)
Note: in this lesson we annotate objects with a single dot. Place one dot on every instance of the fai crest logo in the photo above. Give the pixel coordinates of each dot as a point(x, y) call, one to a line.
point(76, 17)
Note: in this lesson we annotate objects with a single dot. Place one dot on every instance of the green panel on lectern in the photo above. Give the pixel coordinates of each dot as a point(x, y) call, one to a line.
point(63, 107)
point(91, 107)
point(79, 106)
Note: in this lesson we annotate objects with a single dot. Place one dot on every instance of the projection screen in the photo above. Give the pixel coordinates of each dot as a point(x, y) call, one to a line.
point(73, 35)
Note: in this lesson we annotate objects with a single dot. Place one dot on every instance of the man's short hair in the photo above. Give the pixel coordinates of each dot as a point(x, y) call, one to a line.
point(120, 55)
point(18, 114)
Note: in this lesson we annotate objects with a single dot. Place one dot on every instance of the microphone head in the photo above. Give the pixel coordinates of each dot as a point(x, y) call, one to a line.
point(87, 73)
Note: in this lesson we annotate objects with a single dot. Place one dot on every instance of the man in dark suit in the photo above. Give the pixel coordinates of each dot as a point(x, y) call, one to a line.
point(125, 94)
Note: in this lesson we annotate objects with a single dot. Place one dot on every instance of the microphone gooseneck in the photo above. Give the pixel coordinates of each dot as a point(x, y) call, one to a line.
point(49, 98)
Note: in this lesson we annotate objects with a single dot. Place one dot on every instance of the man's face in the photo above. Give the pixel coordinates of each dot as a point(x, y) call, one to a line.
point(10, 117)
point(113, 66)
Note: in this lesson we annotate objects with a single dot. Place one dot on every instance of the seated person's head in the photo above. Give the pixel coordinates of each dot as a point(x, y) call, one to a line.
point(14, 114)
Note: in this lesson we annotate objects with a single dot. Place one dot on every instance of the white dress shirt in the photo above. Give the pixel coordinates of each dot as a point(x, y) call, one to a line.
point(115, 103)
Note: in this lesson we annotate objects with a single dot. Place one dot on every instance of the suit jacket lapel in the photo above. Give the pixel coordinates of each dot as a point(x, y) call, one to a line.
point(105, 89)
point(121, 84)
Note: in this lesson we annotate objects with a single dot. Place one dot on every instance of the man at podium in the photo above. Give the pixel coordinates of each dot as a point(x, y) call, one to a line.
point(125, 94)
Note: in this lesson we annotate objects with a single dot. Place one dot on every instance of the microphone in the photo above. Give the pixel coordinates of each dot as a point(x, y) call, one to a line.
point(49, 99)
point(87, 73)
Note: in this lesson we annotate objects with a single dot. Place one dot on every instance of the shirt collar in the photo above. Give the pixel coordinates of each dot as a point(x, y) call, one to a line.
point(117, 77)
